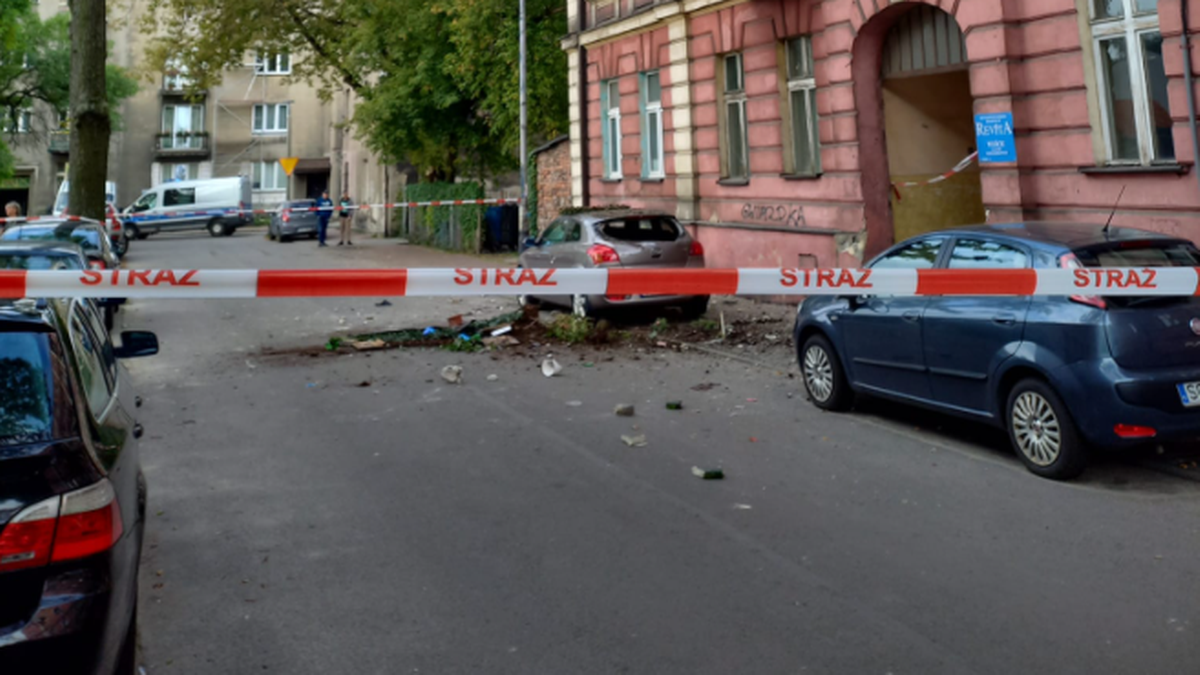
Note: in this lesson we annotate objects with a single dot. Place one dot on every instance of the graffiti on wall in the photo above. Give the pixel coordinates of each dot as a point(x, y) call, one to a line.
point(779, 214)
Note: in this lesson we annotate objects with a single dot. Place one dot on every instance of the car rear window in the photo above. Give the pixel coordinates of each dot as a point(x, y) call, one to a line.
point(643, 228)
point(86, 237)
point(39, 263)
point(1140, 254)
point(26, 406)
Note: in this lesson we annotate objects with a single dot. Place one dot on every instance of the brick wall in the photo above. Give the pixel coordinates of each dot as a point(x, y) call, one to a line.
point(553, 182)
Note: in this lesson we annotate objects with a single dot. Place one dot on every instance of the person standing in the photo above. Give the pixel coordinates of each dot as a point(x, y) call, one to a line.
point(11, 210)
point(324, 213)
point(346, 215)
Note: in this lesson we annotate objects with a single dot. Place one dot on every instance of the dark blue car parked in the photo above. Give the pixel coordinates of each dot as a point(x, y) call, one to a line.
point(1060, 374)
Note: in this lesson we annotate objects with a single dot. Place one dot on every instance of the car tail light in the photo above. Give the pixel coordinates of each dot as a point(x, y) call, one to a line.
point(78, 524)
point(89, 522)
point(697, 249)
point(287, 216)
point(1068, 261)
point(1133, 431)
point(601, 254)
point(28, 538)
point(96, 265)
point(116, 225)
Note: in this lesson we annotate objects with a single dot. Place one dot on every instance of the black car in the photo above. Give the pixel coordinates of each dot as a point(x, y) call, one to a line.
point(53, 255)
point(72, 493)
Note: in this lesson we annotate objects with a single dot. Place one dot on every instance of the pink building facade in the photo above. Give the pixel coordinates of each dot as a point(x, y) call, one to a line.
point(807, 132)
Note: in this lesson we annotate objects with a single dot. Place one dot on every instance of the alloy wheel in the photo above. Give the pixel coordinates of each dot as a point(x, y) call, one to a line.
point(818, 373)
point(1036, 428)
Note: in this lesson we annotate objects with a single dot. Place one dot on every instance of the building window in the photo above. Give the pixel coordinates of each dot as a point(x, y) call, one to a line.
point(610, 118)
point(1132, 82)
point(271, 118)
point(175, 76)
point(271, 63)
point(652, 126)
point(269, 176)
point(805, 147)
point(183, 127)
point(735, 162)
point(177, 172)
point(17, 121)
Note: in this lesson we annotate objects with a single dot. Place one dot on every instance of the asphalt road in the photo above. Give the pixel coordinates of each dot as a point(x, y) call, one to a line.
point(357, 514)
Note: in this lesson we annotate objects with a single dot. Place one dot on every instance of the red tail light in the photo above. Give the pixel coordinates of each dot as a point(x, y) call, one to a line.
point(1132, 431)
point(116, 225)
point(601, 254)
point(90, 522)
point(697, 250)
point(1068, 261)
point(287, 216)
point(76, 525)
point(96, 265)
point(28, 539)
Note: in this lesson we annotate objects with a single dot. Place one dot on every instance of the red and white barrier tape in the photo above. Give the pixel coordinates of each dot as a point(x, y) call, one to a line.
point(122, 283)
point(958, 168)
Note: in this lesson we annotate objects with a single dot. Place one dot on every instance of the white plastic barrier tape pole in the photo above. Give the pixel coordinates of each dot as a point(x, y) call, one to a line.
point(614, 282)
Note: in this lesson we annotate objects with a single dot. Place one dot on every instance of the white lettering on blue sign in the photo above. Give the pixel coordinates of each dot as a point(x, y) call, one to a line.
point(995, 137)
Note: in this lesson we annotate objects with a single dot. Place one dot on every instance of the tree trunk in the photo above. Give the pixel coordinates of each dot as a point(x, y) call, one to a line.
point(90, 124)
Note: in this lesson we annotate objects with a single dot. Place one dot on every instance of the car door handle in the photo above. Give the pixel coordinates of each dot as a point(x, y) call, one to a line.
point(1005, 319)
point(912, 316)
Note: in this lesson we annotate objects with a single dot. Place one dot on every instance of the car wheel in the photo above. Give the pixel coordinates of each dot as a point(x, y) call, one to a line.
point(1043, 433)
point(581, 306)
point(216, 228)
point(271, 233)
point(824, 378)
point(133, 231)
point(109, 320)
point(695, 308)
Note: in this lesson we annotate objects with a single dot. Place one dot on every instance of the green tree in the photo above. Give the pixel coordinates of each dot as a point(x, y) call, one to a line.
point(435, 80)
point(35, 72)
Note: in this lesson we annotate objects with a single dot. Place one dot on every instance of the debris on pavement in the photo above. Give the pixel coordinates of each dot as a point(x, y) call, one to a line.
point(574, 404)
point(551, 367)
point(429, 331)
point(502, 330)
point(368, 345)
point(708, 474)
point(674, 405)
point(501, 341)
point(624, 410)
point(638, 441)
point(742, 507)
point(383, 303)
point(493, 377)
point(452, 374)
point(455, 321)
point(706, 386)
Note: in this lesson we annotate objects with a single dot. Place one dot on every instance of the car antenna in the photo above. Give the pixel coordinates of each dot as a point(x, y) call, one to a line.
point(1114, 209)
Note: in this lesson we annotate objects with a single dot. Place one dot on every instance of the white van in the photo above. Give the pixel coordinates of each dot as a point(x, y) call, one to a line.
point(218, 205)
point(60, 202)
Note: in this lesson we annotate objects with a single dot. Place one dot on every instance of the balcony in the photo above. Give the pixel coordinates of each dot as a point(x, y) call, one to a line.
point(190, 145)
point(60, 143)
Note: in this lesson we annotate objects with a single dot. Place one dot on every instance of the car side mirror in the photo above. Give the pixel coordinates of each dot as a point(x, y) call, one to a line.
point(137, 343)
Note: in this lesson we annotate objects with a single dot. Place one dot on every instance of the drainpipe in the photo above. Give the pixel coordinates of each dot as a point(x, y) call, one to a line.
point(583, 107)
point(1191, 89)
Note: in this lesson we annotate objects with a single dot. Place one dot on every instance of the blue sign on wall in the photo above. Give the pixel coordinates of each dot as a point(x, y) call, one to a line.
point(994, 134)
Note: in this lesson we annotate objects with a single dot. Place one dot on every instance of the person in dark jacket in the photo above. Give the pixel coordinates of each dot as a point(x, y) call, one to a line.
point(346, 214)
point(324, 213)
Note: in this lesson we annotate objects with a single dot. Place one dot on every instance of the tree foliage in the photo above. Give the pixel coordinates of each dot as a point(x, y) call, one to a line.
point(435, 80)
point(35, 71)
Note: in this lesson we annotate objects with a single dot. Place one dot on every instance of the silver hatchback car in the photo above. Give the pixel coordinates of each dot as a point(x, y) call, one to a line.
point(615, 238)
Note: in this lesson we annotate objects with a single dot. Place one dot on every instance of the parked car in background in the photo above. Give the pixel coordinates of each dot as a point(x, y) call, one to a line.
point(54, 255)
point(1060, 374)
point(62, 200)
point(72, 492)
point(218, 205)
point(90, 237)
point(116, 232)
point(615, 238)
point(294, 219)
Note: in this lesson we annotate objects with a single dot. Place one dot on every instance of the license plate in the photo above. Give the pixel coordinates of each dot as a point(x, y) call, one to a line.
point(1189, 393)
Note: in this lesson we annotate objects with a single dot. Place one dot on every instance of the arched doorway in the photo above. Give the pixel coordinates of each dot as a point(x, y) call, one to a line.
point(929, 123)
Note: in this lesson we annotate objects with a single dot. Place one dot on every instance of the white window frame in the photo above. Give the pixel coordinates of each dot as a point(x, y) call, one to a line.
point(273, 63)
point(612, 120)
point(180, 80)
point(807, 85)
point(194, 140)
point(24, 122)
point(735, 98)
point(271, 117)
point(1131, 27)
point(652, 125)
point(259, 175)
point(168, 171)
